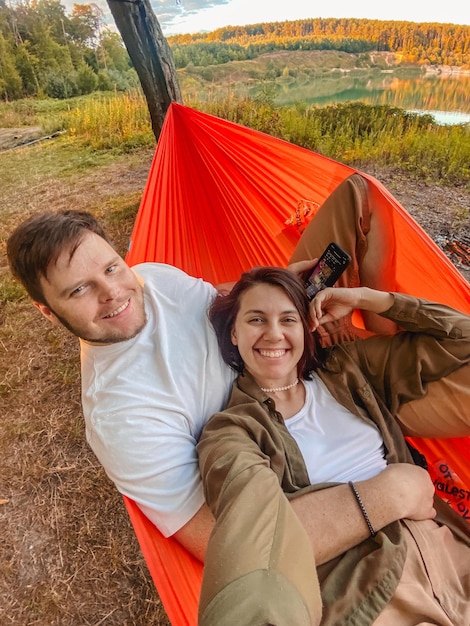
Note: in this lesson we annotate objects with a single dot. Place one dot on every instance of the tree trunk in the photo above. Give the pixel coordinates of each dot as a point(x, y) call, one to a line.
point(150, 54)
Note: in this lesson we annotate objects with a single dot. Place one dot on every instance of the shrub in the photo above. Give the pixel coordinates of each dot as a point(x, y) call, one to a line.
point(60, 86)
point(87, 80)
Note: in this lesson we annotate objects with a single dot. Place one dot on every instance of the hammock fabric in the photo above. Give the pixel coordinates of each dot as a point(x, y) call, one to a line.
point(222, 198)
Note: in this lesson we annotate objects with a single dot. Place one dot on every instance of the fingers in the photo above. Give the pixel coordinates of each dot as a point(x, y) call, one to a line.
point(316, 309)
point(299, 267)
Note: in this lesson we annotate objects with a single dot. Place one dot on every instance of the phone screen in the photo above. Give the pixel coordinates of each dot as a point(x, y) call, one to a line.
point(329, 268)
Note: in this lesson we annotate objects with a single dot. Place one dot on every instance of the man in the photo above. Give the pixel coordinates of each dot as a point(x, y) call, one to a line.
point(151, 370)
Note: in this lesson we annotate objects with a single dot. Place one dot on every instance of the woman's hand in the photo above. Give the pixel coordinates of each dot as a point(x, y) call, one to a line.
point(333, 303)
point(409, 489)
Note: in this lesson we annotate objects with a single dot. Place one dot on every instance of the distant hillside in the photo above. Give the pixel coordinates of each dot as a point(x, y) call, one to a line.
point(285, 64)
point(421, 43)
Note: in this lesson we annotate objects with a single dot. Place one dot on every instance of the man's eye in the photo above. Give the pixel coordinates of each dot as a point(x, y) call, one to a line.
point(77, 290)
point(111, 269)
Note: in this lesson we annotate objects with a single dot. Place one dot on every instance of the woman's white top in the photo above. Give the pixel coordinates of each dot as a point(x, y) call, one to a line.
point(335, 444)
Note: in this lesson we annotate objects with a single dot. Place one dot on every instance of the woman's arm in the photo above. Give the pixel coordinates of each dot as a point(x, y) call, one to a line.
point(443, 411)
point(422, 373)
point(334, 303)
point(238, 478)
point(335, 523)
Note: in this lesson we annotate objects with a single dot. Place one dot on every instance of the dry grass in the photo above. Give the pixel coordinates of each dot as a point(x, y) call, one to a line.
point(67, 550)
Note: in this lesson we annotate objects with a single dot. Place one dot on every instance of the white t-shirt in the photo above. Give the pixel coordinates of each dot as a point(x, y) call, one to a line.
point(146, 400)
point(335, 444)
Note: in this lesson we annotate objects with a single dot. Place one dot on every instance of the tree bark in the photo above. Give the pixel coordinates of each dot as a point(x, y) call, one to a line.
point(150, 54)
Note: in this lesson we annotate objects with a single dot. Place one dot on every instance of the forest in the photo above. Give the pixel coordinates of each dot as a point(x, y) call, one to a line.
point(47, 52)
point(420, 43)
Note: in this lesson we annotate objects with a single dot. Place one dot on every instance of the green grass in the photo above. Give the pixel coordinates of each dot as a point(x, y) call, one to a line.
point(10, 289)
point(113, 123)
point(101, 120)
point(99, 126)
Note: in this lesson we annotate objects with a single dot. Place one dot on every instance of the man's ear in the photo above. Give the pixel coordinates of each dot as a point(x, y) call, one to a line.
point(46, 311)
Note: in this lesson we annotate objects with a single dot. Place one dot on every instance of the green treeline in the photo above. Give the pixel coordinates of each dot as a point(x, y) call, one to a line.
point(215, 53)
point(427, 43)
point(45, 52)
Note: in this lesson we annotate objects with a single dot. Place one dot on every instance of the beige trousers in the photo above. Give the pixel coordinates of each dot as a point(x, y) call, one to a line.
point(435, 585)
point(348, 216)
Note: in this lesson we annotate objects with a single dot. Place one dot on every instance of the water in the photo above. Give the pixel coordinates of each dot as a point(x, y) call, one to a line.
point(446, 117)
point(445, 96)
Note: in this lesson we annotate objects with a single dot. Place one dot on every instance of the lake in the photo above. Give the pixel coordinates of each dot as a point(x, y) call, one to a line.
point(445, 96)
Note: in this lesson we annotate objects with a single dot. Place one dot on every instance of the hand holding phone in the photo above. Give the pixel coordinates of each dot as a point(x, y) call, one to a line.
point(329, 268)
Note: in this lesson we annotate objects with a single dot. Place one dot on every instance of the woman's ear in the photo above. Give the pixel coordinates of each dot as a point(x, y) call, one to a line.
point(233, 336)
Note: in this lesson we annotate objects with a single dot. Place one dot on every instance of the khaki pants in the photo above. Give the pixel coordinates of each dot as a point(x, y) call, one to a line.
point(347, 216)
point(435, 585)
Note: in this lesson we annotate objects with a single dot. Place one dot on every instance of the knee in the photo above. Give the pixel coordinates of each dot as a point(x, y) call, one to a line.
point(262, 598)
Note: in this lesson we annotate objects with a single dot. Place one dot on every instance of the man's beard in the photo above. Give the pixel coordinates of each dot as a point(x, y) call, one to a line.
point(115, 337)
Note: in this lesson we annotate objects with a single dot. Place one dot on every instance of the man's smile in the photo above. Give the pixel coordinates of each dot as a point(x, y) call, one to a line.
point(122, 308)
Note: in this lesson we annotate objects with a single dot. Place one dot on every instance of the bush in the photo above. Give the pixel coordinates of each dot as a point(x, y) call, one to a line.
point(123, 81)
point(87, 80)
point(361, 135)
point(104, 81)
point(60, 86)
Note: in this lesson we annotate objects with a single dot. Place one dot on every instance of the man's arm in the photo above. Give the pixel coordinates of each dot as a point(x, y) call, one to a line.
point(237, 474)
point(194, 535)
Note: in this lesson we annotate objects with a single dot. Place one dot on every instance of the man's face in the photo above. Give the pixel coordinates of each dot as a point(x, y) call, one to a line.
point(94, 294)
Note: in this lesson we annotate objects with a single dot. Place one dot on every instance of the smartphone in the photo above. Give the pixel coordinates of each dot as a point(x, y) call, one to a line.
point(329, 268)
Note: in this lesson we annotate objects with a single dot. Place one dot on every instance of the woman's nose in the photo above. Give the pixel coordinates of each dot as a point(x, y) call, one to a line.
point(273, 332)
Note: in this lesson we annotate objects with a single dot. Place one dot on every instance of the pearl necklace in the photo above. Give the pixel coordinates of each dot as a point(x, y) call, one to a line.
point(274, 389)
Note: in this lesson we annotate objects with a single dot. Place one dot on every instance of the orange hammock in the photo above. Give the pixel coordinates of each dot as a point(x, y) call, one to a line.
point(220, 199)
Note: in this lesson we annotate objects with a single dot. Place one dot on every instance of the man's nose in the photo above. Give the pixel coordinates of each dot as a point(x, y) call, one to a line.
point(109, 291)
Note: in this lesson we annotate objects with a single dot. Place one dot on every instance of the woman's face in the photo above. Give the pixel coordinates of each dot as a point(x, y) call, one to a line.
point(269, 334)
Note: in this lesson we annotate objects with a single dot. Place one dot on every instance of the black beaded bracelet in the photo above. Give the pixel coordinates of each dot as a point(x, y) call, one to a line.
point(363, 509)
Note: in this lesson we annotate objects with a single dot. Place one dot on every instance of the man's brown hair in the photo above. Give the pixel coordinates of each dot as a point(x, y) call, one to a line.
point(36, 244)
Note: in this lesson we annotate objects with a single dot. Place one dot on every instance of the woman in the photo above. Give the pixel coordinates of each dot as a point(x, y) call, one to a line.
point(301, 419)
